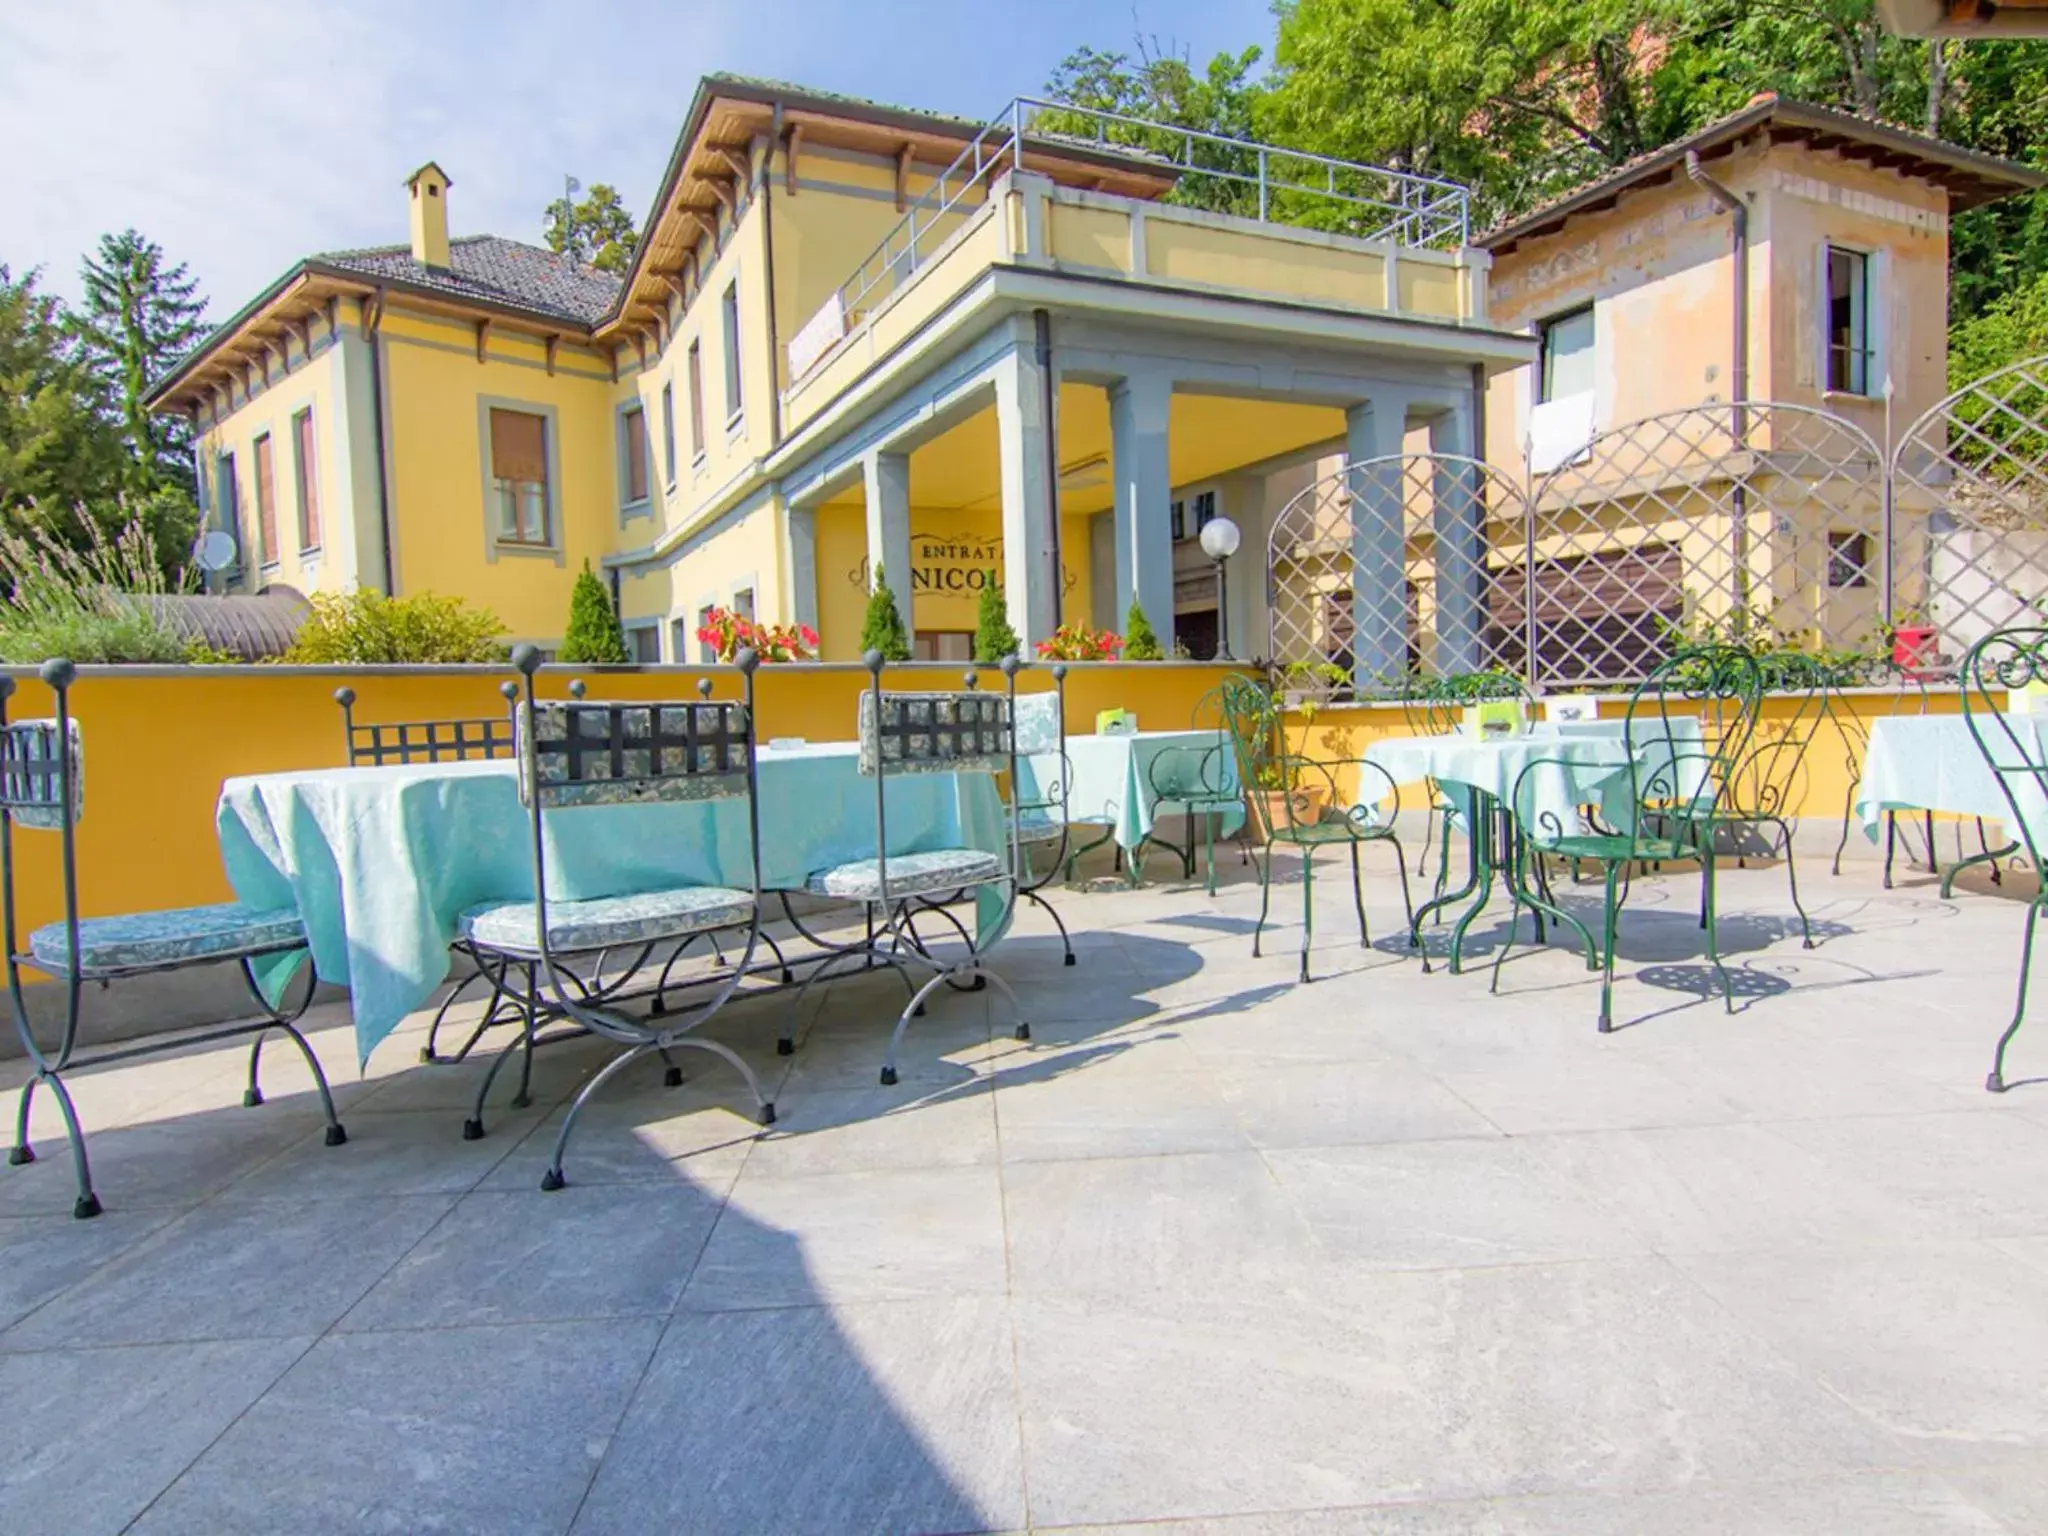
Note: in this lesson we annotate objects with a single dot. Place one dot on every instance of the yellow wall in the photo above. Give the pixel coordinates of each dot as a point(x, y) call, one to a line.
point(951, 546)
point(443, 526)
point(158, 746)
point(304, 383)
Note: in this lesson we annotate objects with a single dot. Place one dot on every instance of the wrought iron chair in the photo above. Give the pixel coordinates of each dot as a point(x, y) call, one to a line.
point(1677, 784)
point(1044, 814)
point(904, 733)
point(1766, 776)
point(573, 756)
point(1299, 820)
point(1200, 782)
point(1995, 666)
point(440, 741)
point(42, 787)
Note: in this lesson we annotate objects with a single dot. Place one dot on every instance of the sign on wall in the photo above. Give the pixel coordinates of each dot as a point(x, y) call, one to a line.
point(953, 565)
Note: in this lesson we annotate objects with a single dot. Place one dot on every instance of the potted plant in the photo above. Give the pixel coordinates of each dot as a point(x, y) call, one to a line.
point(727, 634)
point(1077, 642)
point(1288, 797)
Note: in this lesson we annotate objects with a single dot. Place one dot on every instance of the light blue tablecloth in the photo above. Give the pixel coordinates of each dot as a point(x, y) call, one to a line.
point(380, 862)
point(1113, 779)
point(1931, 762)
point(1583, 763)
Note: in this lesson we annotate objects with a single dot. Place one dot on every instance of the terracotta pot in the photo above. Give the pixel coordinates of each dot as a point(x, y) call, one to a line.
point(1301, 806)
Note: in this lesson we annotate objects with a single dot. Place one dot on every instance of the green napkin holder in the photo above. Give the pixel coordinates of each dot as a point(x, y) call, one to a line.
point(1496, 719)
point(1115, 722)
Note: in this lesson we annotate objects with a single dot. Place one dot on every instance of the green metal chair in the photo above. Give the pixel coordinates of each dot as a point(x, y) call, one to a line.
point(1198, 782)
point(1254, 720)
point(1677, 786)
point(1996, 665)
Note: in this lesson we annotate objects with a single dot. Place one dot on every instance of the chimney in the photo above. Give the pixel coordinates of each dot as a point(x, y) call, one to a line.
point(429, 188)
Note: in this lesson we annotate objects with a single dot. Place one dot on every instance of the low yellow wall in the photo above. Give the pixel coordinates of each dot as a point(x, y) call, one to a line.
point(1819, 790)
point(158, 743)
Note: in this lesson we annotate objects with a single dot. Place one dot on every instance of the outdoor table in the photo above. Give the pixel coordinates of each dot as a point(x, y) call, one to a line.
point(1932, 763)
point(381, 862)
point(1584, 763)
point(1113, 782)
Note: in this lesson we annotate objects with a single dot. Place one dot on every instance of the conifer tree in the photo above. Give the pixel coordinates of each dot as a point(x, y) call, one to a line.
point(593, 637)
point(1140, 643)
point(883, 630)
point(993, 637)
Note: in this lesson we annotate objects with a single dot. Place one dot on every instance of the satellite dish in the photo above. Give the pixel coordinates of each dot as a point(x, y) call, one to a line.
point(216, 550)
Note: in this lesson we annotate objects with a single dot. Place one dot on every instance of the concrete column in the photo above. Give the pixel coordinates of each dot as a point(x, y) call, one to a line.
point(1458, 522)
point(354, 530)
point(801, 531)
point(1244, 613)
point(1379, 540)
point(1138, 410)
point(1102, 588)
point(886, 480)
point(1031, 578)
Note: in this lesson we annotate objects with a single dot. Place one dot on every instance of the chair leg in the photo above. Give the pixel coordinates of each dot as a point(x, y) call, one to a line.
point(1066, 944)
point(1265, 897)
point(1995, 1083)
point(23, 1151)
point(87, 1205)
point(1308, 904)
point(1891, 844)
point(253, 1094)
point(552, 1179)
point(1608, 928)
point(1792, 881)
point(1209, 847)
point(1407, 901)
point(1713, 931)
point(1508, 942)
point(1358, 899)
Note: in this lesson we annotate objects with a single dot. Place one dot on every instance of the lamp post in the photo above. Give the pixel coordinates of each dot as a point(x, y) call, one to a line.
point(1219, 538)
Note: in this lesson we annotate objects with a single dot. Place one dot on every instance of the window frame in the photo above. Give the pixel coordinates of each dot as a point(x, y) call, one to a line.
point(1177, 519)
point(1545, 329)
point(1848, 554)
point(632, 633)
point(668, 431)
point(496, 545)
point(629, 504)
point(694, 361)
point(735, 380)
point(1869, 353)
point(306, 480)
point(263, 451)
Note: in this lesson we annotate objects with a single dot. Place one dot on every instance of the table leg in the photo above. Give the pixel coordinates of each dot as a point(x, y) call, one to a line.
point(1536, 894)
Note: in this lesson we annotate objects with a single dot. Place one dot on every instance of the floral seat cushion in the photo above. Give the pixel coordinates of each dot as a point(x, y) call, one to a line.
point(604, 921)
point(910, 874)
point(183, 935)
point(1036, 824)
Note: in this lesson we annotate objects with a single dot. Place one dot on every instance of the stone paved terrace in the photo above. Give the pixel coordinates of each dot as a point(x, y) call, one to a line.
point(1216, 1253)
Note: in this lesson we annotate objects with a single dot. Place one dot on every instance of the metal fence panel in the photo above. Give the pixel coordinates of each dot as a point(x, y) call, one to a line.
point(1970, 511)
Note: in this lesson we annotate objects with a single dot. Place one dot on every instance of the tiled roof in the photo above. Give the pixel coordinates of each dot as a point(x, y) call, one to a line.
point(491, 270)
point(1974, 177)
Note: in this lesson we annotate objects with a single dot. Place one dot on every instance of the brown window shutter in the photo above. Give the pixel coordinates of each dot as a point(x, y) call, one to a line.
point(519, 446)
point(266, 500)
point(309, 485)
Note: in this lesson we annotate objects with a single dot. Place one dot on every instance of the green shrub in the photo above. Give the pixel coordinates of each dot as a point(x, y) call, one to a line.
point(993, 637)
point(593, 637)
point(882, 630)
point(93, 604)
point(368, 628)
point(1140, 643)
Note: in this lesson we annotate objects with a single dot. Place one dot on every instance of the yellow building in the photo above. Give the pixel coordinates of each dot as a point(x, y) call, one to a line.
point(851, 336)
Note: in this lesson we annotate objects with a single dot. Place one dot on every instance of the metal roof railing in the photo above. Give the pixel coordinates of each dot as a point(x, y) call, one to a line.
point(1250, 179)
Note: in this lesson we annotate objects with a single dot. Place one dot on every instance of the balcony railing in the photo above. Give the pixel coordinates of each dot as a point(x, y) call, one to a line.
point(1253, 180)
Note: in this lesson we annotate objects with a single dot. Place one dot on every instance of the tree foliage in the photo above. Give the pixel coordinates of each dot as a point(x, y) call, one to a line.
point(368, 628)
point(593, 637)
point(882, 628)
point(1523, 100)
point(1140, 642)
point(141, 314)
point(59, 446)
point(993, 637)
point(597, 232)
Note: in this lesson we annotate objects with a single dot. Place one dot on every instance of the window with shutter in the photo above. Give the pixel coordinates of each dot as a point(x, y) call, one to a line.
point(733, 400)
point(519, 474)
point(696, 401)
point(633, 453)
point(306, 472)
point(266, 502)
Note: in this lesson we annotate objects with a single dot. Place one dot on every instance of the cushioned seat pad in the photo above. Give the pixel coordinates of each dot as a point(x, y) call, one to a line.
point(140, 940)
point(606, 920)
point(944, 869)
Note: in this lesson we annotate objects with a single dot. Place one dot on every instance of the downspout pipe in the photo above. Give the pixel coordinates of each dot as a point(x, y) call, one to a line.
point(1738, 225)
point(1041, 325)
point(376, 339)
point(768, 262)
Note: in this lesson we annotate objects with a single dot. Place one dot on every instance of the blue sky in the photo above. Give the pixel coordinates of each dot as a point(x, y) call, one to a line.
point(243, 134)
